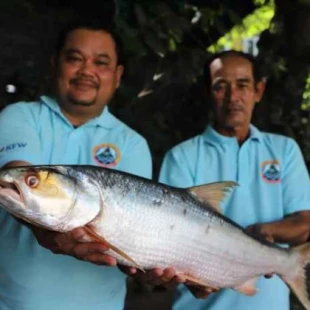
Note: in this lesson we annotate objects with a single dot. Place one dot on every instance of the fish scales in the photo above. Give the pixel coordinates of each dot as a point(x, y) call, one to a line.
point(150, 225)
point(184, 240)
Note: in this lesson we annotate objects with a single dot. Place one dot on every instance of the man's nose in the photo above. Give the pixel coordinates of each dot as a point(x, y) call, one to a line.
point(232, 93)
point(86, 67)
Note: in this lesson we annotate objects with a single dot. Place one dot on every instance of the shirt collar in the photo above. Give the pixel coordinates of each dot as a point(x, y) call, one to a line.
point(212, 136)
point(255, 134)
point(105, 119)
point(51, 103)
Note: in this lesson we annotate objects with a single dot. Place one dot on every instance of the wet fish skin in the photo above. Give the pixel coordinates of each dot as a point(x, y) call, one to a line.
point(152, 225)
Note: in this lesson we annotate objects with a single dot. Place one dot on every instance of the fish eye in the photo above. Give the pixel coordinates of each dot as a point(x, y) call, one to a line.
point(32, 180)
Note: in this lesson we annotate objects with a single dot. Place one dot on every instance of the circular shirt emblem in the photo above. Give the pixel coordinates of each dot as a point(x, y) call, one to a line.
point(271, 171)
point(106, 155)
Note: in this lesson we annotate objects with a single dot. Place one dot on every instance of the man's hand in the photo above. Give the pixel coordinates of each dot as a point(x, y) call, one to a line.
point(261, 229)
point(200, 292)
point(71, 243)
point(167, 278)
point(293, 229)
point(156, 277)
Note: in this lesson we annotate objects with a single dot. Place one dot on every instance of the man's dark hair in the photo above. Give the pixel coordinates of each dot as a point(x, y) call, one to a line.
point(257, 75)
point(90, 24)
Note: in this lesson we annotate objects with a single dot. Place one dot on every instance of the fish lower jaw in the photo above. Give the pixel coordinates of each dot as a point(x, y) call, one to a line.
point(12, 192)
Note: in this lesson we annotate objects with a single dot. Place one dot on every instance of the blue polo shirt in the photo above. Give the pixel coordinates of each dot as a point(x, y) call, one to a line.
point(274, 182)
point(32, 277)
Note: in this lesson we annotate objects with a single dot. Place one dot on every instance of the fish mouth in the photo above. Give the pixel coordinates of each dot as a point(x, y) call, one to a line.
point(12, 190)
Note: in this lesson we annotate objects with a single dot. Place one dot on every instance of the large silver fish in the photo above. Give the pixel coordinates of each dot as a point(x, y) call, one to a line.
point(151, 225)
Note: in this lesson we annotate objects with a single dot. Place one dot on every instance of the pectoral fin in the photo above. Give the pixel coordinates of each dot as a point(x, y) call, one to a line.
point(212, 194)
point(95, 237)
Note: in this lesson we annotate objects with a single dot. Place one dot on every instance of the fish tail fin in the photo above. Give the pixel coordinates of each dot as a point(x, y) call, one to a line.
point(300, 284)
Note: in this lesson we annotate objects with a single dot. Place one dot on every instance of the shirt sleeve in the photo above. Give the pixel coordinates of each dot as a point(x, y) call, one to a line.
point(136, 159)
point(19, 139)
point(295, 180)
point(175, 170)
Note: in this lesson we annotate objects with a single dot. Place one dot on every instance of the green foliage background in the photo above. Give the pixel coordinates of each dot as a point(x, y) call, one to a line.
point(166, 43)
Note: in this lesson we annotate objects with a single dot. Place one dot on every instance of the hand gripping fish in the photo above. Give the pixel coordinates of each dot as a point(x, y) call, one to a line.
point(149, 225)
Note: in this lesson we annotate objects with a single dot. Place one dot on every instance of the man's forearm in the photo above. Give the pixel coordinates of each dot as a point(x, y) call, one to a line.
point(293, 229)
point(16, 163)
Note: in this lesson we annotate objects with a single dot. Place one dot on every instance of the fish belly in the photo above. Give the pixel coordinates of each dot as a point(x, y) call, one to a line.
point(193, 242)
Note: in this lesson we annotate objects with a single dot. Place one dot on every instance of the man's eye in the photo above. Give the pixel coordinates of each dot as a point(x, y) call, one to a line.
point(101, 63)
point(242, 86)
point(219, 87)
point(73, 59)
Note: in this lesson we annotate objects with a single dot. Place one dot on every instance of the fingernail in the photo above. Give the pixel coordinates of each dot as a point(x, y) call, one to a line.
point(103, 250)
point(180, 280)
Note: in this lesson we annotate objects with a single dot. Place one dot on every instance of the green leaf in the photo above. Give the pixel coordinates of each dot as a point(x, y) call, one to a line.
point(141, 16)
point(304, 2)
point(161, 8)
point(235, 18)
point(151, 39)
point(172, 45)
point(251, 26)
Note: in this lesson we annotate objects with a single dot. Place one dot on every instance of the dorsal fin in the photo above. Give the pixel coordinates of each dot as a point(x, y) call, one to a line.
point(213, 193)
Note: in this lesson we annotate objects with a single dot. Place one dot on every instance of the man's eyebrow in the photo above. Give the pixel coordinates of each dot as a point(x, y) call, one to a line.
point(72, 50)
point(219, 80)
point(104, 55)
point(244, 80)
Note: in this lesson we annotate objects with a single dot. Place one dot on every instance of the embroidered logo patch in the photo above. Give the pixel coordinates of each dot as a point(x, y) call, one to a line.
point(106, 155)
point(271, 171)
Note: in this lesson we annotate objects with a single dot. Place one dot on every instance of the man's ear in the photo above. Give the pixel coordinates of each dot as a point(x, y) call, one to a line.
point(259, 90)
point(119, 73)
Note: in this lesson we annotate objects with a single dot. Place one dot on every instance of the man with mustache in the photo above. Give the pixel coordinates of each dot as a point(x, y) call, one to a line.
point(273, 196)
point(73, 126)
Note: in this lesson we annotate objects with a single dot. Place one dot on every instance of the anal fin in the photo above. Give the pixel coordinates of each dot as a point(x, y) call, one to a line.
point(95, 237)
point(247, 288)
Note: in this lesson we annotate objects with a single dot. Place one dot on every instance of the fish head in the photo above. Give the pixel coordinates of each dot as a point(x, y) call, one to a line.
point(54, 197)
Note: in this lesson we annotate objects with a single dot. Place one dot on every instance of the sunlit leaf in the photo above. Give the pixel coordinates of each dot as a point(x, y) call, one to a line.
point(172, 45)
point(251, 26)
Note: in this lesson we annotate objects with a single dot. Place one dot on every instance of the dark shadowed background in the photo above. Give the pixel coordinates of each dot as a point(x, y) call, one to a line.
point(166, 44)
